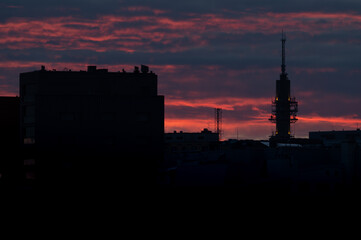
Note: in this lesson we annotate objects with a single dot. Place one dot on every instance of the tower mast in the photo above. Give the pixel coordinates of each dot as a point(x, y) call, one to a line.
point(284, 108)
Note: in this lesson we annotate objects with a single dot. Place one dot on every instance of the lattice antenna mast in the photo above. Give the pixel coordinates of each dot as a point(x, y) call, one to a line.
point(218, 121)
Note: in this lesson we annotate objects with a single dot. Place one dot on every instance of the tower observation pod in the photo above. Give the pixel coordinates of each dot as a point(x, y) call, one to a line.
point(284, 107)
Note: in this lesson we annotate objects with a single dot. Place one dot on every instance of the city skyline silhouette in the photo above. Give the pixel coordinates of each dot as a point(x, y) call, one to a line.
point(142, 96)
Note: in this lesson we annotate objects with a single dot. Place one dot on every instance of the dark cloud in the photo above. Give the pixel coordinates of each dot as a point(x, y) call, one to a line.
point(93, 8)
point(202, 50)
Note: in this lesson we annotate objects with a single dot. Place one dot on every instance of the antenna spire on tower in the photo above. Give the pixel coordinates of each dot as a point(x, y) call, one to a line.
point(283, 67)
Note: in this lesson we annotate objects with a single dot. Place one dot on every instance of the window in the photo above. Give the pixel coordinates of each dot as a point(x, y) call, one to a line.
point(29, 162)
point(29, 140)
point(29, 135)
point(30, 175)
point(29, 114)
point(29, 131)
point(29, 92)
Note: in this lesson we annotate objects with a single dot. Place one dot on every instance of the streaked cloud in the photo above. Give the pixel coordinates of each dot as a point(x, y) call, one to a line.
point(207, 54)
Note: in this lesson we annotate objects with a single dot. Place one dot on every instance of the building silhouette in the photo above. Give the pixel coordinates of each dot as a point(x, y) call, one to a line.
point(188, 148)
point(185, 142)
point(284, 107)
point(252, 168)
point(10, 166)
point(336, 138)
point(92, 128)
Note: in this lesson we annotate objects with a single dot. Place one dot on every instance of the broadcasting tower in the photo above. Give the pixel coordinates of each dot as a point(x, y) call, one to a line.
point(284, 108)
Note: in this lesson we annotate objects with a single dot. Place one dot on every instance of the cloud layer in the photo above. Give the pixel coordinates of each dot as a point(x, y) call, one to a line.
point(207, 54)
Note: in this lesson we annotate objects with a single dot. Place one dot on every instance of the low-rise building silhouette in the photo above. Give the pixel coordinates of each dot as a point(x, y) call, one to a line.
point(251, 167)
point(92, 127)
point(183, 142)
point(333, 138)
point(187, 147)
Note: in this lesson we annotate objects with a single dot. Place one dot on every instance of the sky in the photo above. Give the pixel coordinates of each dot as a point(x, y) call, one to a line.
point(207, 54)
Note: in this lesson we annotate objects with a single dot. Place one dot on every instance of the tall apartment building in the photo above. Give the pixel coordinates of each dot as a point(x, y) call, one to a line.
point(92, 126)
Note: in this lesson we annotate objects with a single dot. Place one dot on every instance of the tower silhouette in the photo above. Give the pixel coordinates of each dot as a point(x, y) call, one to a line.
point(218, 121)
point(284, 107)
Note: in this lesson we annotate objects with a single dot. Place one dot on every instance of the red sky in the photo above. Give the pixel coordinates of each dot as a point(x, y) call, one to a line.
point(207, 54)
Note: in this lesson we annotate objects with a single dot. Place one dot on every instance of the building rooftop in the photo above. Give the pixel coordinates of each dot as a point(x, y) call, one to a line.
point(93, 69)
